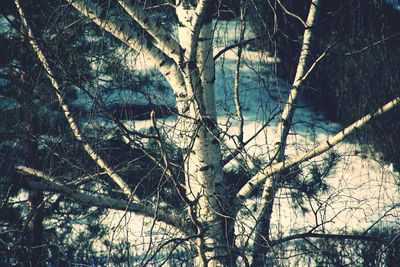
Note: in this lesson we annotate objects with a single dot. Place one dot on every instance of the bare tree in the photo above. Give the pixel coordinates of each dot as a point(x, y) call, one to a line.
point(212, 203)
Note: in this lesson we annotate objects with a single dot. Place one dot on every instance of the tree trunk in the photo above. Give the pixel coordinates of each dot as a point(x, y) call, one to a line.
point(203, 168)
point(261, 240)
point(34, 231)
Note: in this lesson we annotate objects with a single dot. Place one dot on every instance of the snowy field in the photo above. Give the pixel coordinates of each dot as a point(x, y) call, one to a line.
point(362, 193)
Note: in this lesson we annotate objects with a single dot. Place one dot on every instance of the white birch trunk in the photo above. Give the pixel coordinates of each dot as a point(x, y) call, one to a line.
point(236, 84)
point(262, 233)
point(123, 31)
point(203, 168)
point(192, 80)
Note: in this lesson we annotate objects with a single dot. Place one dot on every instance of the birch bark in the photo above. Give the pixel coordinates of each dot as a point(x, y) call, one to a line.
point(262, 233)
point(192, 80)
point(203, 168)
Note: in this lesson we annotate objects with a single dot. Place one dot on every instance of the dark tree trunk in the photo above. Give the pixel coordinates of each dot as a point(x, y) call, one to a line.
point(33, 241)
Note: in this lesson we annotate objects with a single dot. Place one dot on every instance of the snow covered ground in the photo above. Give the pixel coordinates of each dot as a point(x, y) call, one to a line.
point(363, 191)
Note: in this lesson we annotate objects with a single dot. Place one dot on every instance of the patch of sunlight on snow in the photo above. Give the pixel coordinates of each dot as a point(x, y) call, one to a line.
point(140, 231)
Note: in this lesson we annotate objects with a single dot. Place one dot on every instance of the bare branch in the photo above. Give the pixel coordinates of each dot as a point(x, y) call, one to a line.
point(293, 15)
point(237, 151)
point(324, 146)
point(240, 43)
point(52, 184)
point(372, 45)
point(315, 63)
point(165, 40)
point(327, 236)
point(180, 189)
point(70, 118)
point(125, 33)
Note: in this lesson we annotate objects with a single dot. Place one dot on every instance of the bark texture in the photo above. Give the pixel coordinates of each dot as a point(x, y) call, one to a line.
point(203, 168)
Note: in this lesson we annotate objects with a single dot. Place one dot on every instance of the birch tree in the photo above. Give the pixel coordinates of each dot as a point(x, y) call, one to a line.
point(185, 58)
